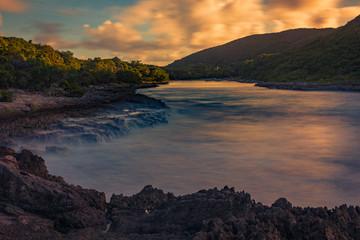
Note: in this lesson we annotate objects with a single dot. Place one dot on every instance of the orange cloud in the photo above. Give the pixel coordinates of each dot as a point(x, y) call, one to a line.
point(16, 6)
point(160, 31)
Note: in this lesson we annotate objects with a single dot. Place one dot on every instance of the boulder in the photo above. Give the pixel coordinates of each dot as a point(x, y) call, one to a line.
point(32, 188)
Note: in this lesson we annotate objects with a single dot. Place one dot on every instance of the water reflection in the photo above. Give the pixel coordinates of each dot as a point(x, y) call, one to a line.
point(272, 143)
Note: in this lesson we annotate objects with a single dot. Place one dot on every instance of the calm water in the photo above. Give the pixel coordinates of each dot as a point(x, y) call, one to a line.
point(304, 146)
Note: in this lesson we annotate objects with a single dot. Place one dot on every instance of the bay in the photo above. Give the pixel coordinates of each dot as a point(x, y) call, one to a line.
point(301, 145)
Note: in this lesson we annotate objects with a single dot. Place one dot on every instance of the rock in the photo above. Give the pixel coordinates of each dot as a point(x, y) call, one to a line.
point(32, 164)
point(10, 160)
point(15, 223)
point(282, 203)
point(4, 151)
point(37, 205)
point(31, 187)
point(227, 214)
point(124, 211)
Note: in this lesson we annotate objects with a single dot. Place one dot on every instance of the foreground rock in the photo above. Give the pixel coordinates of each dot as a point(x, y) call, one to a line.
point(36, 205)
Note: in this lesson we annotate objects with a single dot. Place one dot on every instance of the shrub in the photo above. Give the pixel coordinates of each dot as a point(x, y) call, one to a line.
point(72, 89)
point(7, 96)
point(74, 92)
point(128, 76)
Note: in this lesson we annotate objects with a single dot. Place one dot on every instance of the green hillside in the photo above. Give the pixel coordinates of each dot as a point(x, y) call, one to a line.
point(332, 58)
point(39, 67)
point(328, 56)
point(252, 46)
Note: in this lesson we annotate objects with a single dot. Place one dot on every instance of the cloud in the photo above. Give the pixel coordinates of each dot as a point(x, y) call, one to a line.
point(1, 20)
point(16, 6)
point(116, 37)
point(49, 34)
point(161, 31)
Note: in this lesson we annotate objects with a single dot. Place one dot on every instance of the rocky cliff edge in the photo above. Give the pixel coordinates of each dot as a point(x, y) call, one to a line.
point(37, 205)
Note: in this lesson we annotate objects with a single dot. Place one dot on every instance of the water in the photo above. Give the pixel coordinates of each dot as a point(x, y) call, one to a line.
point(301, 145)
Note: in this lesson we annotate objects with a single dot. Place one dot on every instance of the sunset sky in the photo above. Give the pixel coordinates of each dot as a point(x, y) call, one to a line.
point(161, 31)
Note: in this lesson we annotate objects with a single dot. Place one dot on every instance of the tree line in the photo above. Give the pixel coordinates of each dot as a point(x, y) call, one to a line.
point(25, 65)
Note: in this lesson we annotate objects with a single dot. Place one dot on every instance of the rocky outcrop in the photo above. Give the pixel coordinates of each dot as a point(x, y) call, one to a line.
point(42, 121)
point(36, 205)
point(227, 214)
point(26, 184)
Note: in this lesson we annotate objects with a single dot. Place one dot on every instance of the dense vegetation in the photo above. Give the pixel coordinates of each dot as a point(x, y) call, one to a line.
point(332, 56)
point(252, 46)
point(40, 67)
point(6, 96)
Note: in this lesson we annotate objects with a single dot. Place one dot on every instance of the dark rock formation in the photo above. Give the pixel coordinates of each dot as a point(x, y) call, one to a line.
point(32, 164)
point(36, 205)
point(25, 183)
point(226, 214)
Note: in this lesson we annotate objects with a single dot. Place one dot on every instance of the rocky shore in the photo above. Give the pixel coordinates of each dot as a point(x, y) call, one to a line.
point(346, 86)
point(30, 111)
point(37, 205)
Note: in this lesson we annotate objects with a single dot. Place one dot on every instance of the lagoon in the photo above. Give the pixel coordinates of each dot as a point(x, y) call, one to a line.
point(301, 145)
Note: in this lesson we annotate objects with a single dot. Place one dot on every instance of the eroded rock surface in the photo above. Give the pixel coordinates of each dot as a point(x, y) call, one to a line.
point(28, 186)
point(227, 214)
point(37, 205)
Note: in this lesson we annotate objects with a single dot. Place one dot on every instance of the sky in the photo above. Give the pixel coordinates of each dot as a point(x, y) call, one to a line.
point(161, 31)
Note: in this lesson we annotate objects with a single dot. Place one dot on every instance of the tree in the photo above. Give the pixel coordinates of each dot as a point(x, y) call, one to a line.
point(128, 76)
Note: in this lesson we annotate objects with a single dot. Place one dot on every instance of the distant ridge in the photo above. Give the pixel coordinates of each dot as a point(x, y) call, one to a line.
point(300, 55)
point(252, 46)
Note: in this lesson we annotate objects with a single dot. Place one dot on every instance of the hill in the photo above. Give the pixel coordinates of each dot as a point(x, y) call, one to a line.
point(329, 55)
point(332, 58)
point(252, 46)
point(35, 66)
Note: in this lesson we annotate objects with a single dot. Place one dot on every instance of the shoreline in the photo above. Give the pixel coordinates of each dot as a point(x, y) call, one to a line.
point(32, 111)
point(38, 205)
point(27, 102)
point(302, 86)
point(311, 86)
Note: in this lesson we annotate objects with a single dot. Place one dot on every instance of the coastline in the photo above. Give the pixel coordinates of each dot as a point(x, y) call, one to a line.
point(27, 102)
point(347, 86)
point(30, 111)
point(37, 205)
point(304, 86)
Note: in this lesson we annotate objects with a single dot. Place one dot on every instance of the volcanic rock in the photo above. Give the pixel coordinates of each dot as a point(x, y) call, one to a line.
point(30, 187)
point(37, 205)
